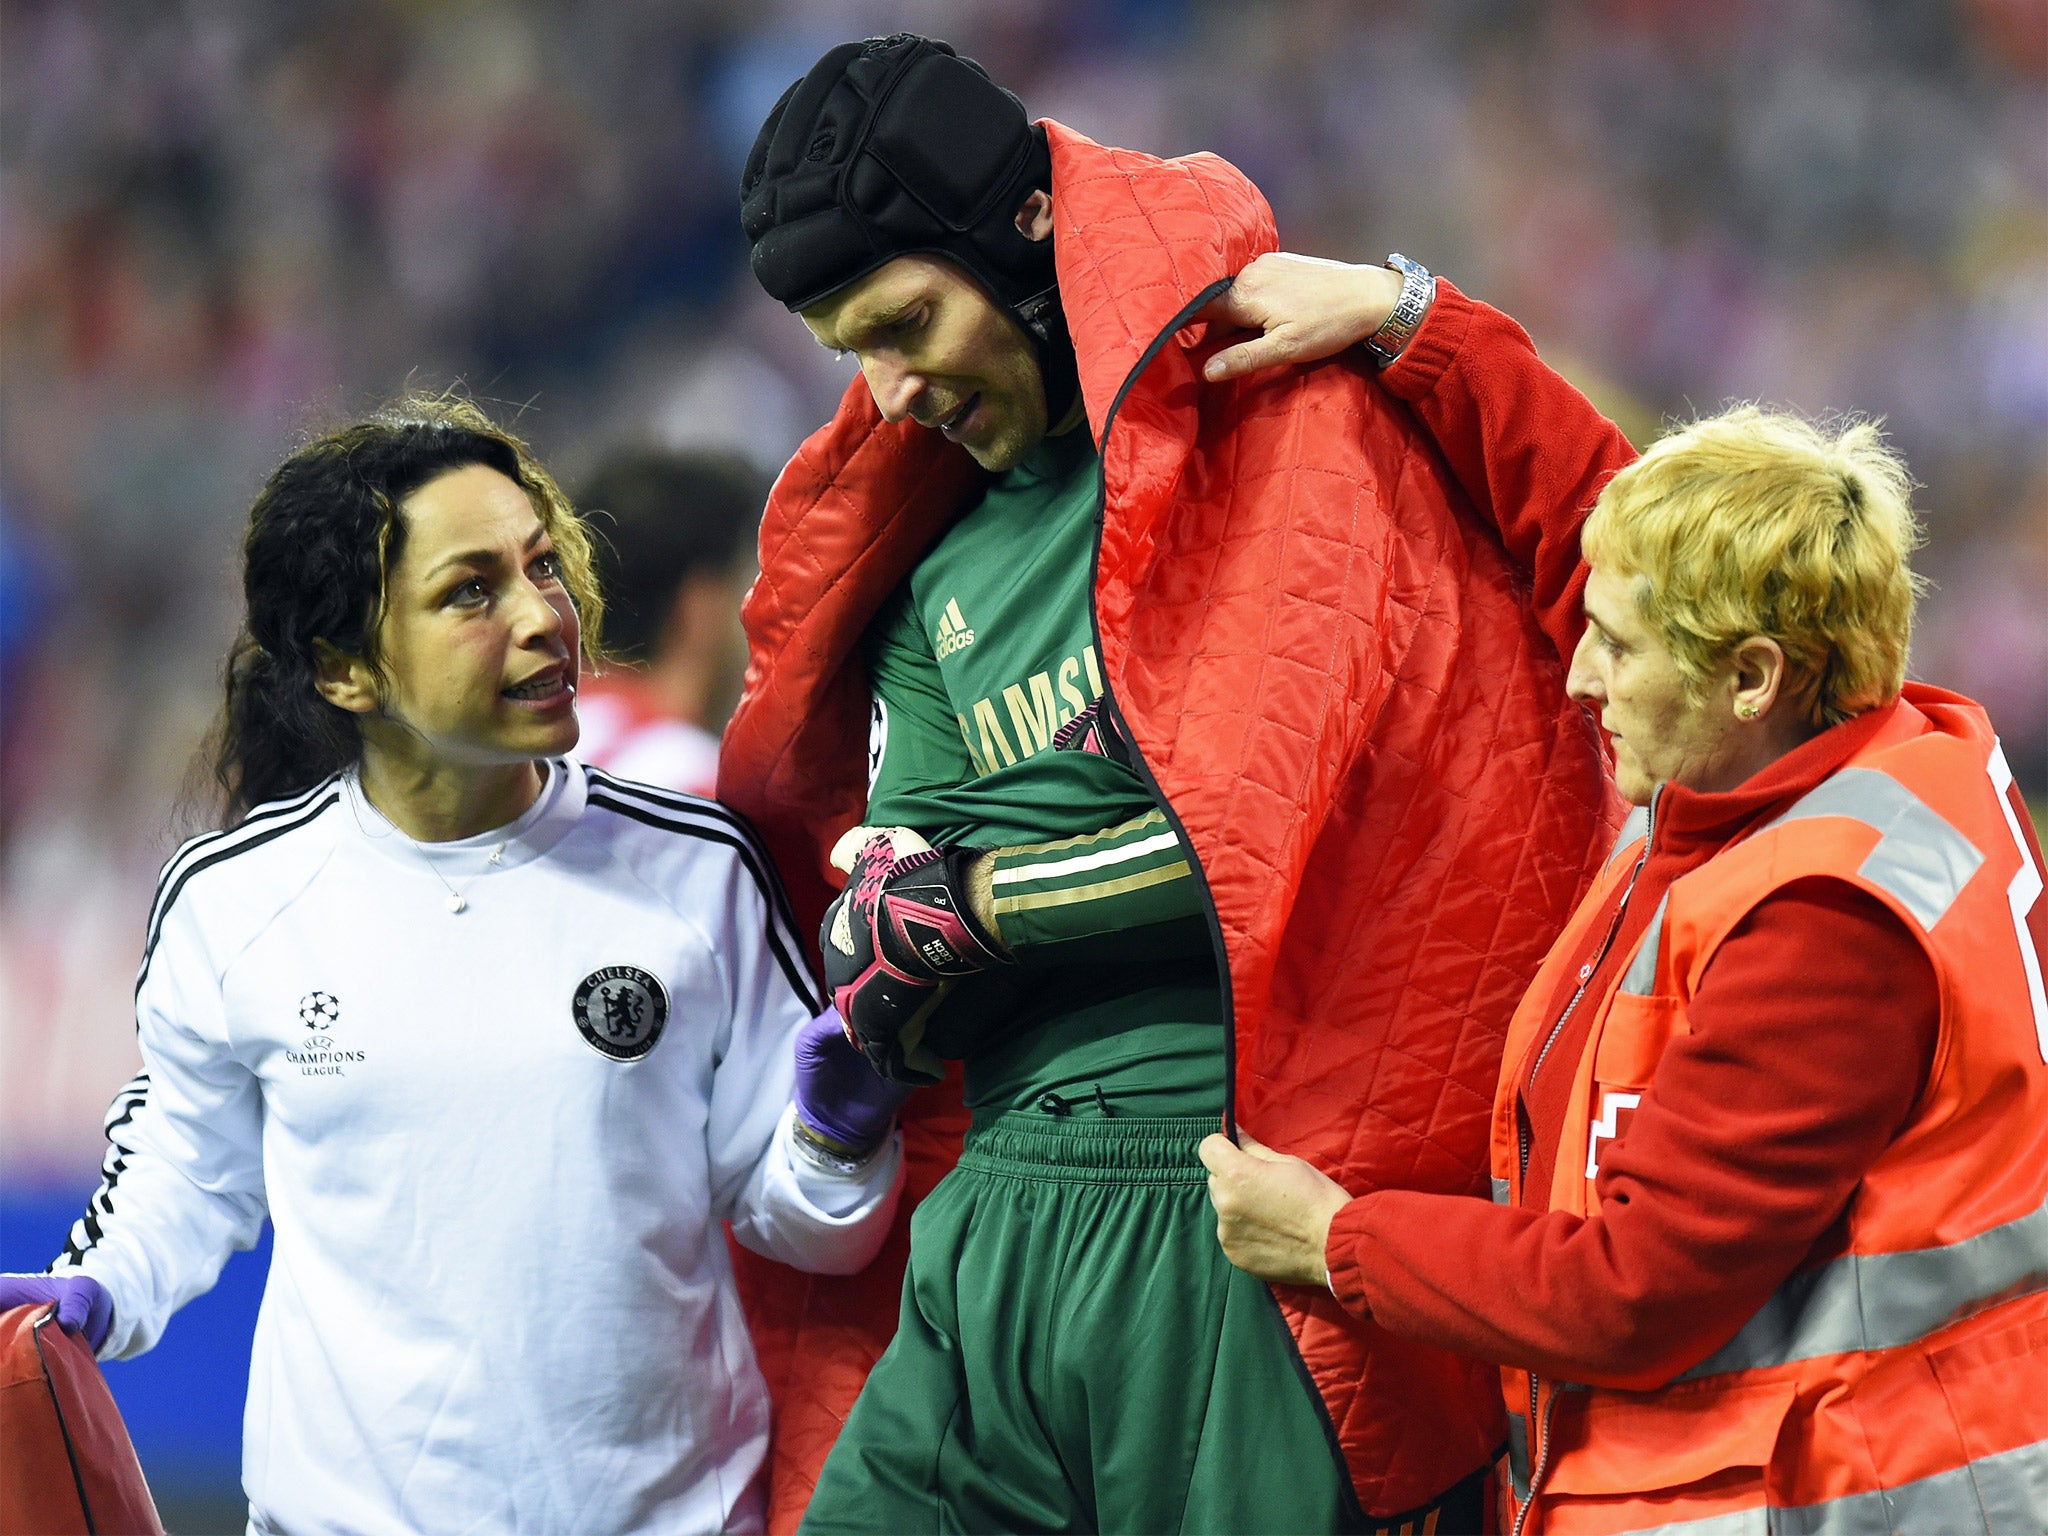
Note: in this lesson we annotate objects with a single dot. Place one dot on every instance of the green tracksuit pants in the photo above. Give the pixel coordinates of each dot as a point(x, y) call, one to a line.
point(1076, 1354)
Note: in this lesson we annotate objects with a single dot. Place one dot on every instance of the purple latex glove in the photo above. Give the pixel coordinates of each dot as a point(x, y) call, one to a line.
point(83, 1305)
point(838, 1094)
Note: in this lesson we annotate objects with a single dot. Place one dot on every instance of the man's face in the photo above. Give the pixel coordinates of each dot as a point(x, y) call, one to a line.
point(936, 349)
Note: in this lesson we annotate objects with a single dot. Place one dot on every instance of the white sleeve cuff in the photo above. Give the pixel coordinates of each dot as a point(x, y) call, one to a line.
point(829, 1223)
point(828, 1191)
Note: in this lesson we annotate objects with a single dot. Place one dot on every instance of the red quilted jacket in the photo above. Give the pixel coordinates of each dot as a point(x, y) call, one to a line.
point(1342, 690)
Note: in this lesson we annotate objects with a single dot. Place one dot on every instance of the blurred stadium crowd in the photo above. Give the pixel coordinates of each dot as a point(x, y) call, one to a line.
point(223, 220)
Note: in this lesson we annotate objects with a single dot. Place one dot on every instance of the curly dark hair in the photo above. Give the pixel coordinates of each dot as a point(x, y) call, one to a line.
point(324, 534)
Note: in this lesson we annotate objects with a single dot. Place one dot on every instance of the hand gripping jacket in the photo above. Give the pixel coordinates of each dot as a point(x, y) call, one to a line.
point(1898, 1387)
point(1332, 676)
point(66, 1463)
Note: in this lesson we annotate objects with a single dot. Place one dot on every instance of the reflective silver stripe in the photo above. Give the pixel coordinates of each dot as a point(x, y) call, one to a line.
point(1642, 971)
point(1919, 857)
point(1500, 1192)
point(2006, 1492)
point(1518, 1455)
point(1994, 1494)
point(1737, 1522)
point(1637, 825)
point(1883, 1300)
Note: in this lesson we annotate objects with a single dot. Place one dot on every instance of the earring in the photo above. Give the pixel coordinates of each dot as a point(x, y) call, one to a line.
point(1746, 711)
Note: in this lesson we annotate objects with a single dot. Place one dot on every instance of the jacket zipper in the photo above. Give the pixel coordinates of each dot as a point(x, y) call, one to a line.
point(1541, 1462)
point(1586, 971)
point(1152, 350)
point(1353, 1505)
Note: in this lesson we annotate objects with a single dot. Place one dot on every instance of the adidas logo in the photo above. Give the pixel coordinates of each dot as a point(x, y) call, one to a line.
point(954, 635)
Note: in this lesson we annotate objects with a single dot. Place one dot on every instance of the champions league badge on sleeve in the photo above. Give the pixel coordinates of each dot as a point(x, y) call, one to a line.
point(621, 1011)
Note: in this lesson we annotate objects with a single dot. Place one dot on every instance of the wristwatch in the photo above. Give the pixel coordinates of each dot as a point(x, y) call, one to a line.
point(1418, 292)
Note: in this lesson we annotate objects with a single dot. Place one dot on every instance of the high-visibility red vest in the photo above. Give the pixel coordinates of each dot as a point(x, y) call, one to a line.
point(1902, 1386)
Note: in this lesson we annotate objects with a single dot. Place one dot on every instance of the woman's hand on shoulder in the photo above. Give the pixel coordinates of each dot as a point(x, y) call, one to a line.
point(1305, 309)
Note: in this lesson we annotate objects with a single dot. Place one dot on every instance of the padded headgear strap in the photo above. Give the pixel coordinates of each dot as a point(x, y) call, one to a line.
point(898, 146)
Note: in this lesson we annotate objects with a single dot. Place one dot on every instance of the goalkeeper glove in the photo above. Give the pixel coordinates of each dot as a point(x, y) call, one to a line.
point(900, 932)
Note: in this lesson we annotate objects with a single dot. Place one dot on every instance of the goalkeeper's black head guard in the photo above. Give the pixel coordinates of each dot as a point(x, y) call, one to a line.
point(898, 146)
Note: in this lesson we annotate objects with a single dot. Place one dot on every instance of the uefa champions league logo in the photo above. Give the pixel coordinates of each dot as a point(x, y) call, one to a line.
point(320, 1012)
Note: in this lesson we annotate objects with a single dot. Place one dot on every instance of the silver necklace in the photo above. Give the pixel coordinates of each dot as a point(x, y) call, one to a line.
point(458, 902)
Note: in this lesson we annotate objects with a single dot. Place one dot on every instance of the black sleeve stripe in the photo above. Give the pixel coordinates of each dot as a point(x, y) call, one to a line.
point(755, 854)
point(678, 806)
point(268, 832)
point(696, 810)
point(781, 927)
point(668, 799)
point(86, 1231)
point(268, 811)
point(255, 821)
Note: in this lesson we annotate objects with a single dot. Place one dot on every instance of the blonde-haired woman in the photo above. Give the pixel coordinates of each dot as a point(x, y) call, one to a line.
point(1768, 1240)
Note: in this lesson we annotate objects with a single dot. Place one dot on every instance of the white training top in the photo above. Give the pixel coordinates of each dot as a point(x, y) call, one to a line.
point(496, 1146)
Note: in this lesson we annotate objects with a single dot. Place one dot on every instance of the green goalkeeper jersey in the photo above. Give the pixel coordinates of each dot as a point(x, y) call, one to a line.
point(977, 660)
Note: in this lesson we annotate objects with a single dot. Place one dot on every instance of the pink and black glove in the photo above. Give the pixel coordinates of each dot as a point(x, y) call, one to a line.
point(83, 1305)
point(1095, 731)
point(838, 1095)
point(896, 936)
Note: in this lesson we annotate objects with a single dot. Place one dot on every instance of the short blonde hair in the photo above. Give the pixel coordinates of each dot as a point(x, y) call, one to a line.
point(1758, 522)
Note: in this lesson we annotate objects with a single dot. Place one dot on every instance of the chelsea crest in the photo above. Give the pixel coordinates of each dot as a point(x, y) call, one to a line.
point(621, 1011)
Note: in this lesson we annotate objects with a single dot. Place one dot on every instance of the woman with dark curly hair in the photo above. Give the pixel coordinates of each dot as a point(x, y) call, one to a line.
point(496, 1041)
